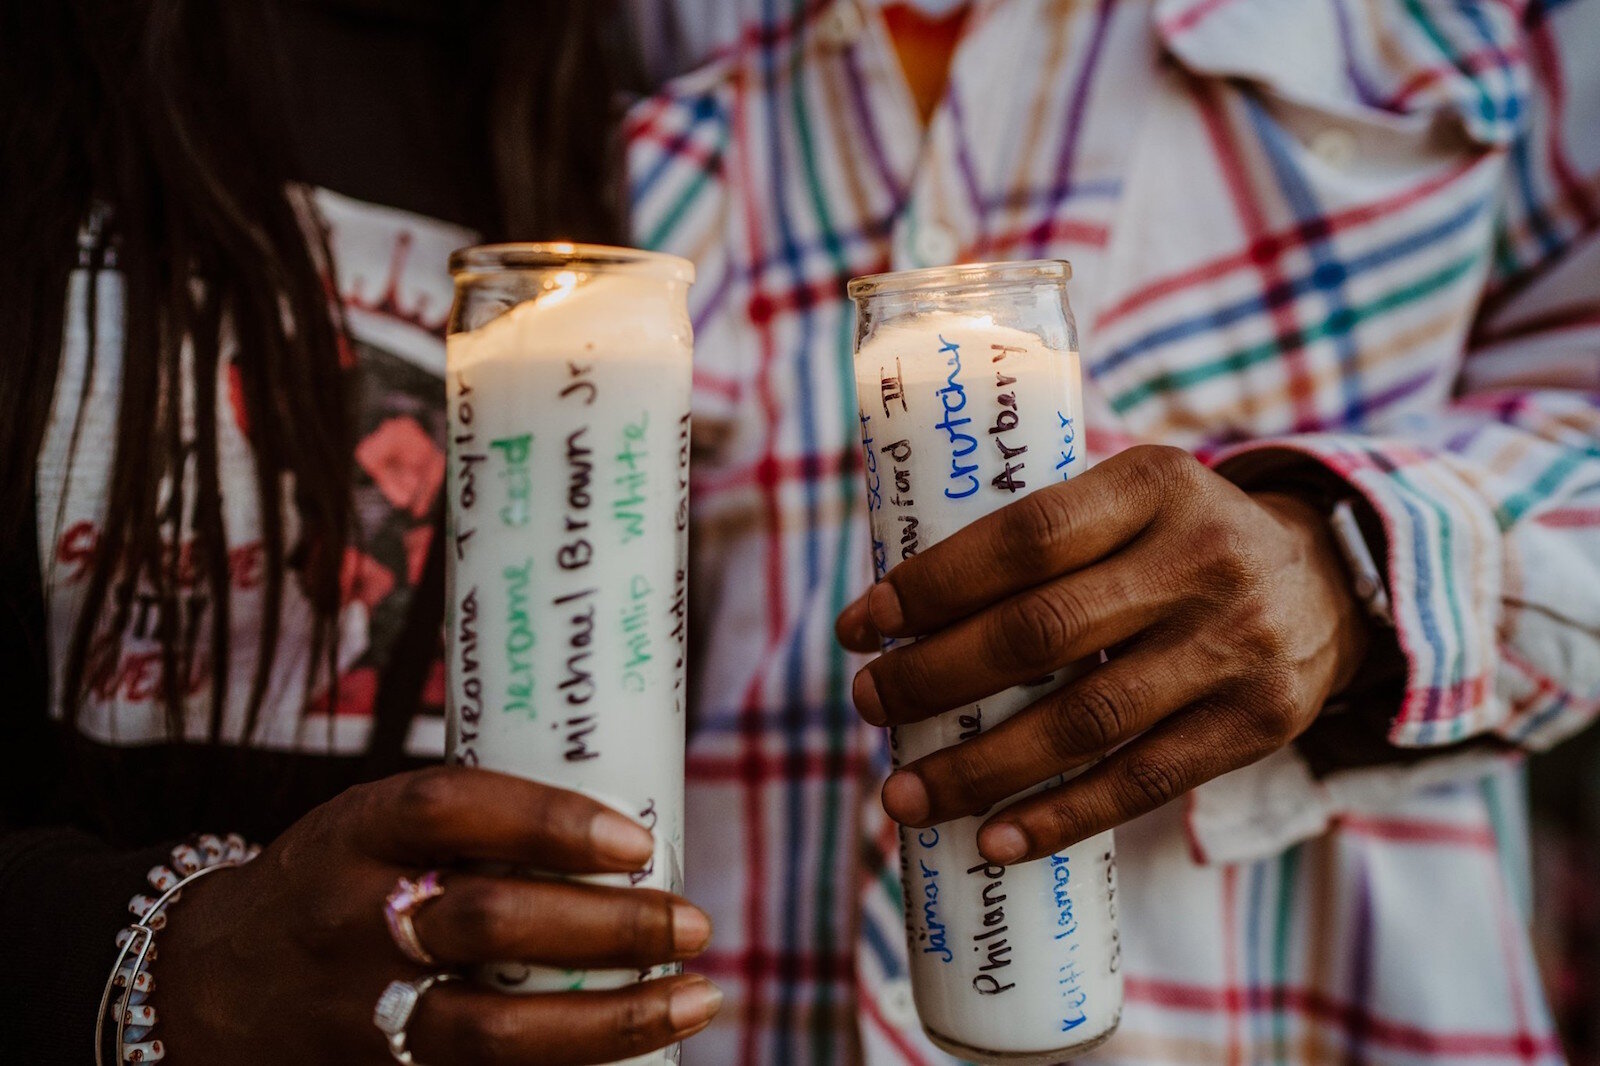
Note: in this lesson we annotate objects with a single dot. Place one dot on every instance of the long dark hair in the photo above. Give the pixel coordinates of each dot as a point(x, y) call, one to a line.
point(132, 104)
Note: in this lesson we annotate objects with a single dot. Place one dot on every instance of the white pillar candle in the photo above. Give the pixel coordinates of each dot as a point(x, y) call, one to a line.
point(568, 518)
point(959, 417)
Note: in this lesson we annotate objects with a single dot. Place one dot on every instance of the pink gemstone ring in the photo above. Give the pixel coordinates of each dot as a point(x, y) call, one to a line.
point(401, 904)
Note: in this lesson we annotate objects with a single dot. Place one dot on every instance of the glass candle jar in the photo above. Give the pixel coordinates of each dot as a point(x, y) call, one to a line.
point(970, 397)
point(567, 380)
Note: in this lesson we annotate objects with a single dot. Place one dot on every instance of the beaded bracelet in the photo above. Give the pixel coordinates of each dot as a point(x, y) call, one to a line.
point(135, 1017)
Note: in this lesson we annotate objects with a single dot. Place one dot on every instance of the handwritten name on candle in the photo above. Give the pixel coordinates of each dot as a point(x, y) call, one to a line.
point(1109, 861)
point(892, 395)
point(466, 475)
point(468, 673)
point(992, 945)
point(575, 554)
point(636, 633)
point(1007, 419)
point(469, 705)
point(899, 453)
point(933, 936)
point(970, 722)
point(892, 389)
point(1069, 976)
point(953, 398)
point(514, 453)
point(650, 818)
point(880, 552)
point(631, 481)
point(519, 640)
point(1069, 439)
point(678, 608)
point(577, 684)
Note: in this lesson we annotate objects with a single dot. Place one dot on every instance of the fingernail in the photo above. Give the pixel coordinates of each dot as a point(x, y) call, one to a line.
point(883, 607)
point(865, 692)
point(905, 798)
point(621, 839)
point(690, 928)
point(693, 1005)
point(1002, 842)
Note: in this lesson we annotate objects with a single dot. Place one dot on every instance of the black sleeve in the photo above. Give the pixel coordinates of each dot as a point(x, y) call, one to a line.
point(64, 895)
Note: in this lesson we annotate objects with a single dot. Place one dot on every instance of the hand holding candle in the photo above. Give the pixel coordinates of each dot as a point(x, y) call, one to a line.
point(279, 960)
point(1229, 619)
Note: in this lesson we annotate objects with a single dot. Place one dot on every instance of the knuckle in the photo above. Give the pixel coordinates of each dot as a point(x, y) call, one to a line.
point(649, 927)
point(351, 801)
point(641, 1022)
point(1227, 556)
point(1092, 721)
point(963, 777)
point(1277, 713)
point(1163, 467)
point(560, 820)
point(1178, 465)
point(1060, 822)
point(1165, 577)
point(1039, 525)
point(1063, 734)
point(1271, 638)
point(1151, 783)
point(1259, 633)
point(338, 825)
point(481, 917)
point(491, 1036)
point(1034, 629)
point(1129, 587)
point(905, 681)
point(323, 921)
point(426, 796)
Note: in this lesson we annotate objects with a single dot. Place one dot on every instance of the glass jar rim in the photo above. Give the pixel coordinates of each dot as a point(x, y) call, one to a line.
point(559, 255)
point(960, 276)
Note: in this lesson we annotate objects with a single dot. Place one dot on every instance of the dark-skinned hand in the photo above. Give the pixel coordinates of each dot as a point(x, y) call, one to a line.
point(282, 960)
point(1228, 617)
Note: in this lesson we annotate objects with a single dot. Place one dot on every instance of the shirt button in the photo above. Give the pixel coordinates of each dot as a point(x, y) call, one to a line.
point(1335, 146)
point(935, 245)
point(899, 1008)
point(841, 24)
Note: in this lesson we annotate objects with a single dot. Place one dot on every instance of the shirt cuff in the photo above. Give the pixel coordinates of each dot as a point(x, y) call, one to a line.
point(1443, 568)
point(1263, 809)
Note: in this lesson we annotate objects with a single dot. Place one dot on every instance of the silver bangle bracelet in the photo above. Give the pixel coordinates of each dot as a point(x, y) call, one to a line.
point(138, 940)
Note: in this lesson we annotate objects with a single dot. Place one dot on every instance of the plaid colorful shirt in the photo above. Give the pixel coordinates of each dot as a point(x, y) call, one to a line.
point(1360, 231)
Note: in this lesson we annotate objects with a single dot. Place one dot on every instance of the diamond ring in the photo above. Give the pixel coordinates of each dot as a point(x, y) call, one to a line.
point(395, 1007)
